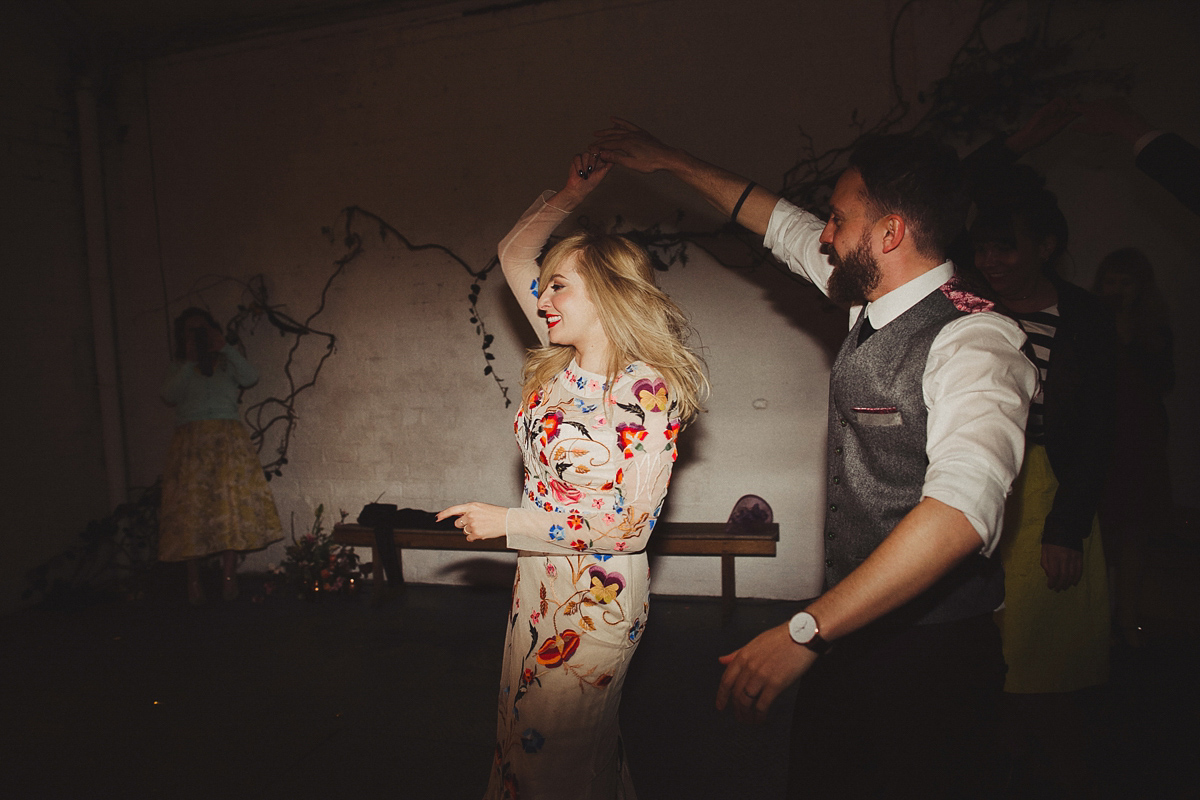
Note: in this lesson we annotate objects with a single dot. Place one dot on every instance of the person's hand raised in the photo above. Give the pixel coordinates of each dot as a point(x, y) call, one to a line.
point(630, 146)
point(587, 171)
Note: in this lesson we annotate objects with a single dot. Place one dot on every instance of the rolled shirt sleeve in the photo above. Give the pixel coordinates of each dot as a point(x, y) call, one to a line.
point(977, 387)
point(794, 237)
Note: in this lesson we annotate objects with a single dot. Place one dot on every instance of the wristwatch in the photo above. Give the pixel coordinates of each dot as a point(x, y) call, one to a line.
point(804, 631)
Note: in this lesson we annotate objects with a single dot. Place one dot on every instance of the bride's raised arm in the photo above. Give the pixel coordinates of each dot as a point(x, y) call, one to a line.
point(520, 248)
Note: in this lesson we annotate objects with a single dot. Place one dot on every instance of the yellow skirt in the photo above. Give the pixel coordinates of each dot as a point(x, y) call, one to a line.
point(1053, 641)
point(214, 495)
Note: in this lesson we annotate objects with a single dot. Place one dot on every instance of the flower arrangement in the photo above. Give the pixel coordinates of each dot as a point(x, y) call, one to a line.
point(314, 565)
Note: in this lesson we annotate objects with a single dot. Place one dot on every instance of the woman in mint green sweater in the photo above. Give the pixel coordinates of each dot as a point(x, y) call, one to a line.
point(215, 498)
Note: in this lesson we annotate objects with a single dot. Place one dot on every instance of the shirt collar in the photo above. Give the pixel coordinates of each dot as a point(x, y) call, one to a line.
point(884, 309)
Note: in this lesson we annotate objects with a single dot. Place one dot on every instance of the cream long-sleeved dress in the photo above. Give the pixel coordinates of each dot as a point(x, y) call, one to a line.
point(597, 463)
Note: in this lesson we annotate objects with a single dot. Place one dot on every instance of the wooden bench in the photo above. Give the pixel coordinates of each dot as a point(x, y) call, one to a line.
point(669, 539)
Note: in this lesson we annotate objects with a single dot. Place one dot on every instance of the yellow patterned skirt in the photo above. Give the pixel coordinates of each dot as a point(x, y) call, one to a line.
point(1053, 641)
point(214, 495)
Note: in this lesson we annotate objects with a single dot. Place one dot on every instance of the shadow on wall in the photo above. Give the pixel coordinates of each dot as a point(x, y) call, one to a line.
point(481, 573)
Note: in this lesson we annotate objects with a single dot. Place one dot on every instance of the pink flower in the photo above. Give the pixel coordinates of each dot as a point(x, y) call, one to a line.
point(551, 570)
point(609, 519)
point(564, 492)
point(535, 618)
point(597, 502)
point(619, 546)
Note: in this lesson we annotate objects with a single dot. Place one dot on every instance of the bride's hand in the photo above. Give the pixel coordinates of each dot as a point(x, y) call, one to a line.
point(587, 171)
point(477, 520)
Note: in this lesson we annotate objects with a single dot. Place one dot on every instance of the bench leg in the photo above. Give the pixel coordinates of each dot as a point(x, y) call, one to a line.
point(728, 587)
point(376, 571)
point(382, 590)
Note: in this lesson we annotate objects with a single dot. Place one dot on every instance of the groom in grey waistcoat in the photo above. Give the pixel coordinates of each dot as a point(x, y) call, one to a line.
point(899, 661)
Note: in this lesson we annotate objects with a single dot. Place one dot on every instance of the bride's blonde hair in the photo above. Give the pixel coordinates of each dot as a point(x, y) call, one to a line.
point(640, 321)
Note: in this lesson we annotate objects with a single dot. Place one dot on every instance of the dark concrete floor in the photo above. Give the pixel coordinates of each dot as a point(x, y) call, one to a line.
point(280, 698)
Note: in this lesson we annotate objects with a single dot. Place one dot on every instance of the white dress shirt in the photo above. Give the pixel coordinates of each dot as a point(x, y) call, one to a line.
point(977, 382)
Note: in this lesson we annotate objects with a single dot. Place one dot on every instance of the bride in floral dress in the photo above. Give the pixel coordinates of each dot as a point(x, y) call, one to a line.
point(604, 399)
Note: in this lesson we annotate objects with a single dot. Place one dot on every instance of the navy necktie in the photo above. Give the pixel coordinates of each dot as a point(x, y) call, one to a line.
point(865, 331)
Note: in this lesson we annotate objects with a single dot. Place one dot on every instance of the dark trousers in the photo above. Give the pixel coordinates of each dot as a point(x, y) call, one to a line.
point(901, 712)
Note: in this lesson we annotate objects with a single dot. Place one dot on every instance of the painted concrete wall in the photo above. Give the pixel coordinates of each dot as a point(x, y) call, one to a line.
point(448, 130)
point(53, 471)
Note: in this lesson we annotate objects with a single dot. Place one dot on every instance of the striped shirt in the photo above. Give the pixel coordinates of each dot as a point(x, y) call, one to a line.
point(1040, 327)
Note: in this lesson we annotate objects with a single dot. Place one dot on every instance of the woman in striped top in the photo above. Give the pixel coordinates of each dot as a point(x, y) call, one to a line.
point(1055, 623)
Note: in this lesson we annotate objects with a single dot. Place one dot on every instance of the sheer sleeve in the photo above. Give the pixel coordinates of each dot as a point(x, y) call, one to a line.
point(619, 516)
point(519, 251)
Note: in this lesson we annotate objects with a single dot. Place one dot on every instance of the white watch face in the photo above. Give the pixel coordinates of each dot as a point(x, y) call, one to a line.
point(803, 627)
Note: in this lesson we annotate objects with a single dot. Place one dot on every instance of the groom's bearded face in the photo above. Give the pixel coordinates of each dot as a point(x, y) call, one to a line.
point(855, 273)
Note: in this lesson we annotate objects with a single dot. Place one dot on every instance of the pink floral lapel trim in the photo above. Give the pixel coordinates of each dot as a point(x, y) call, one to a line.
point(963, 299)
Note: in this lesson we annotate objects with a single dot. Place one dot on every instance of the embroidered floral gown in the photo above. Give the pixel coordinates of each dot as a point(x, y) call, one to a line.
point(597, 463)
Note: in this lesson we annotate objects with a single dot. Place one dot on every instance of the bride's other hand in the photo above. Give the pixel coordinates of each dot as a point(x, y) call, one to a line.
point(477, 520)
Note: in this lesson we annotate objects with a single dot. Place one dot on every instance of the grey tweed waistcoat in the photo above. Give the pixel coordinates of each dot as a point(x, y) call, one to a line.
point(877, 459)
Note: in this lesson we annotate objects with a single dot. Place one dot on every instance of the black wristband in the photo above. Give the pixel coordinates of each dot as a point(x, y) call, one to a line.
point(738, 206)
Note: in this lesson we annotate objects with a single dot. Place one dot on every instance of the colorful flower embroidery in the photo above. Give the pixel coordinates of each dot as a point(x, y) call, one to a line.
point(651, 396)
point(599, 478)
point(557, 650)
point(629, 434)
point(564, 492)
point(605, 586)
point(532, 741)
point(550, 423)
